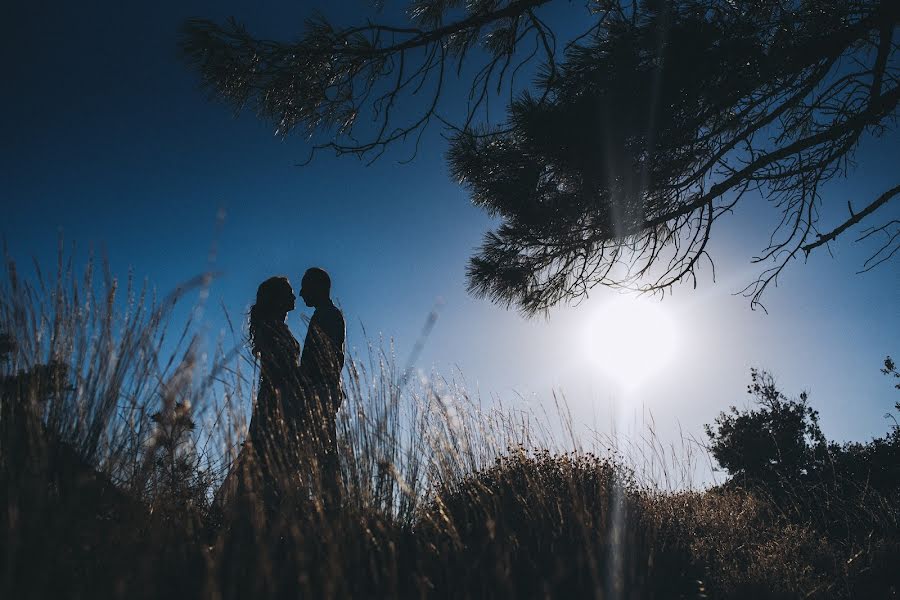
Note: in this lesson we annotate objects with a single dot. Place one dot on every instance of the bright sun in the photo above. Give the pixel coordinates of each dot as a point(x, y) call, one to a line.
point(632, 339)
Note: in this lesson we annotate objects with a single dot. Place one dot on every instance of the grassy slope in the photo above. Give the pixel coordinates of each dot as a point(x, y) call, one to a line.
point(108, 481)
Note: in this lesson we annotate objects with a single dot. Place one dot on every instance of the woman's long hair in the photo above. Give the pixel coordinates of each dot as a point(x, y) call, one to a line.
point(270, 302)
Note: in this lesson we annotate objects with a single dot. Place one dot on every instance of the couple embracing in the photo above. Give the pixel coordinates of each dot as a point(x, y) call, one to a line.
point(292, 435)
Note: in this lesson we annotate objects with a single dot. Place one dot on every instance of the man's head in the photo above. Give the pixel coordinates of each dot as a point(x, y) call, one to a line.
point(315, 289)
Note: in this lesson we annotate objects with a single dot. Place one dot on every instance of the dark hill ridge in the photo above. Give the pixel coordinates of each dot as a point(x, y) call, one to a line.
point(533, 524)
point(70, 531)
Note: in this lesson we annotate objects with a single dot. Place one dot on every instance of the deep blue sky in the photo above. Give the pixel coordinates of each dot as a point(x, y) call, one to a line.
point(107, 138)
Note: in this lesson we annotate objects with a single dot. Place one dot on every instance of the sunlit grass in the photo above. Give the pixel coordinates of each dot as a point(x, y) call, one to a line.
point(114, 457)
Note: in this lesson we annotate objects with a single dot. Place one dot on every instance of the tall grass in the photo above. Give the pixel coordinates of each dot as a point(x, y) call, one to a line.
point(124, 476)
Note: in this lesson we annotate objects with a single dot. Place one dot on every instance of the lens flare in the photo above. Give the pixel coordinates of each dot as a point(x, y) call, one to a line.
point(631, 340)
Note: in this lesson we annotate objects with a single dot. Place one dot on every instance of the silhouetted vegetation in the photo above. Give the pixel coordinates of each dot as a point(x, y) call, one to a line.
point(112, 468)
point(780, 446)
point(847, 492)
point(779, 443)
point(647, 123)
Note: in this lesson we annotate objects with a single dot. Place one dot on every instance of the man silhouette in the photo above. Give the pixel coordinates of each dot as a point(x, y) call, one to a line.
point(321, 364)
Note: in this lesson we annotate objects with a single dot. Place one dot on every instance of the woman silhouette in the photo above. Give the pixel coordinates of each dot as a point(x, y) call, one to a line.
point(272, 426)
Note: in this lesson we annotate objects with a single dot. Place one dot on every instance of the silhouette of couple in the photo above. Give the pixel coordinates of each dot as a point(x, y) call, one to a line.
point(292, 430)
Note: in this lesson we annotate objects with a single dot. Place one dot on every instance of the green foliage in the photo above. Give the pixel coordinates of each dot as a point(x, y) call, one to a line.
point(890, 369)
point(779, 441)
point(656, 124)
point(334, 74)
point(846, 493)
point(447, 501)
point(648, 125)
point(780, 446)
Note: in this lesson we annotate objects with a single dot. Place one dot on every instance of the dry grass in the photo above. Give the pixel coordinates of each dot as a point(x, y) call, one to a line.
point(113, 457)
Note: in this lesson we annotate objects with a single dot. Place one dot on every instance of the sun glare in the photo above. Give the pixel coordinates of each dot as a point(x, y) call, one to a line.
point(632, 339)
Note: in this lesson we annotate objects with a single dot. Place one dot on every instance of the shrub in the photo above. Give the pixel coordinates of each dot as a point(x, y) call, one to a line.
point(112, 459)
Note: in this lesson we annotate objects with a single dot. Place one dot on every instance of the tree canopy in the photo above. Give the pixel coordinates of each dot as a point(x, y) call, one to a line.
point(639, 133)
point(779, 445)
